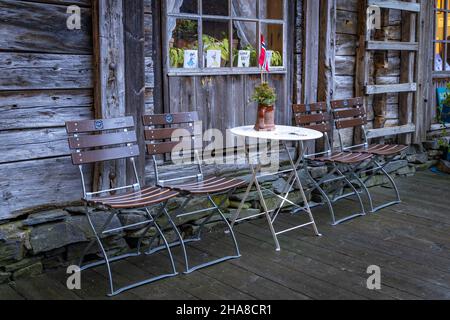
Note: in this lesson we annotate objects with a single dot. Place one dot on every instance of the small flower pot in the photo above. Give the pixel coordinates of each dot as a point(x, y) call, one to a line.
point(265, 118)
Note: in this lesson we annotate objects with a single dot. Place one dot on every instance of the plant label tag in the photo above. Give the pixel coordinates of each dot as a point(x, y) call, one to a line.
point(244, 59)
point(190, 59)
point(213, 58)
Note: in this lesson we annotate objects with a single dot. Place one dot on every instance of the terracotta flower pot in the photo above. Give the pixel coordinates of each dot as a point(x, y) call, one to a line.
point(265, 119)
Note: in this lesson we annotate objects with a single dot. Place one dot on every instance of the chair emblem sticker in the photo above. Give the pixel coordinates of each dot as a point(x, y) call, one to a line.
point(99, 124)
point(169, 118)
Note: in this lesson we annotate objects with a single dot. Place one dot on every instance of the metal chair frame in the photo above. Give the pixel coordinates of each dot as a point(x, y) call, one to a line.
point(103, 231)
point(337, 172)
point(188, 197)
point(376, 165)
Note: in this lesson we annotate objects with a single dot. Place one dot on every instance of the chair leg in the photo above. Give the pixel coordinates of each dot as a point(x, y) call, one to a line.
point(183, 242)
point(363, 183)
point(108, 260)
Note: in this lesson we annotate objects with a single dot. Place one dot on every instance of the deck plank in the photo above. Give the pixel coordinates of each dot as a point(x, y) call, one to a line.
point(8, 293)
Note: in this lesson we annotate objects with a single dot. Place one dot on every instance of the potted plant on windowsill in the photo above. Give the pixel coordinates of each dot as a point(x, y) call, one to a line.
point(266, 97)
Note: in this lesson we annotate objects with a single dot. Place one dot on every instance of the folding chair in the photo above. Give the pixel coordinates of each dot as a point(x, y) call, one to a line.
point(98, 141)
point(352, 114)
point(161, 134)
point(340, 164)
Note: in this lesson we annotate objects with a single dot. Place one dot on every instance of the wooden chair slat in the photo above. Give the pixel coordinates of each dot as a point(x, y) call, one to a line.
point(102, 140)
point(322, 127)
point(86, 157)
point(349, 113)
point(167, 147)
point(312, 118)
point(347, 103)
point(87, 126)
point(313, 107)
point(168, 133)
point(170, 119)
point(352, 123)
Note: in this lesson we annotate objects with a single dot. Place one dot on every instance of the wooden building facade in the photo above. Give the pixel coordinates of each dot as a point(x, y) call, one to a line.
point(120, 61)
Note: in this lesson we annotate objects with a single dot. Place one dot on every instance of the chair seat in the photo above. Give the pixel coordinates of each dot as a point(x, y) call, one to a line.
point(210, 185)
point(383, 149)
point(345, 157)
point(135, 199)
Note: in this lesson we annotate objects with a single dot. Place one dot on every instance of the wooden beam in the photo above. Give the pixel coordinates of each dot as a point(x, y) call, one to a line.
point(327, 54)
point(422, 115)
point(396, 5)
point(391, 88)
point(392, 45)
point(134, 33)
point(408, 72)
point(362, 62)
point(109, 91)
point(311, 50)
point(391, 131)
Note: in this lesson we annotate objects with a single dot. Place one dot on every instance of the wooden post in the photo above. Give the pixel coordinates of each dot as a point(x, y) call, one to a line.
point(327, 54)
point(134, 37)
point(311, 50)
point(424, 69)
point(109, 86)
point(362, 61)
point(407, 74)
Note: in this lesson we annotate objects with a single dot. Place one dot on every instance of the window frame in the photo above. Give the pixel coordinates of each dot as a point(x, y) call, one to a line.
point(230, 70)
point(446, 43)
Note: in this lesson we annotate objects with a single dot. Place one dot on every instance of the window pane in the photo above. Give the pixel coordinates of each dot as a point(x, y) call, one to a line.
point(245, 44)
point(244, 8)
point(440, 4)
point(272, 9)
point(216, 40)
point(184, 37)
point(273, 34)
point(215, 7)
point(440, 16)
point(182, 6)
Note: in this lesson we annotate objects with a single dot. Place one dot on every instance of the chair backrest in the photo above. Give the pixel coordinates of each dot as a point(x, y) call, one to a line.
point(315, 116)
point(348, 114)
point(93, 141)
point(163, 133)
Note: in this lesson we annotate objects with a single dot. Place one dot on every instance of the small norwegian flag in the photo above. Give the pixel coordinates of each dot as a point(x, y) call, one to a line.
point(263, 58)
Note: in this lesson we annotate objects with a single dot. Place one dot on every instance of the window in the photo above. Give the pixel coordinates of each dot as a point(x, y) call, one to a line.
point(222, 36)
point(442, 36)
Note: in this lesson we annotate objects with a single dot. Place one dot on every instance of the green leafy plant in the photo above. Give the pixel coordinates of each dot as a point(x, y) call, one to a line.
point(265, 95)
point(176, 56)
point(211, 43)
point(277, 59)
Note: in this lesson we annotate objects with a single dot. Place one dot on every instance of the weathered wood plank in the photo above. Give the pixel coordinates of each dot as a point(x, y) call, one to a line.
point(43, 287)
point(394, 131)
point(392, 45)
point(43, 109)
point(81, 3)
point(40, 182)
point(391, 88)
point(109, 98)
point(20, 145)
point(134, 47)
point(396, 5)
point(7, 293)
point(28, 71)
point(36, 27)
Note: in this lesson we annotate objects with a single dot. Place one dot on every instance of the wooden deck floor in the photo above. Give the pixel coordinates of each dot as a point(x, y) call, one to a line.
point(410, 242)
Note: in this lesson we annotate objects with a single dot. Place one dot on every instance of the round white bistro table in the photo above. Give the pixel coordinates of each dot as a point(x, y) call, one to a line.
point(283, 134)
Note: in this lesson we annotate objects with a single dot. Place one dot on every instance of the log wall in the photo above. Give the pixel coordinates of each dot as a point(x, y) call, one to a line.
point(45, 79)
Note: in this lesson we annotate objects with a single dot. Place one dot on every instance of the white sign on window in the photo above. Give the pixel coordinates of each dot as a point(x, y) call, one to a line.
point(190, 59)
point(213, 58)
point(244, 59)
